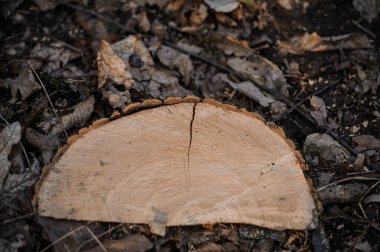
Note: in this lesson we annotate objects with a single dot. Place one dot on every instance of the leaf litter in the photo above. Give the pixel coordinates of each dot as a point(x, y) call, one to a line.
point(157, 79)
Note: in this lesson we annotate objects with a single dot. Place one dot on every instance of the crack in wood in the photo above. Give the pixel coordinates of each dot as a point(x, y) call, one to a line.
point(187, 173)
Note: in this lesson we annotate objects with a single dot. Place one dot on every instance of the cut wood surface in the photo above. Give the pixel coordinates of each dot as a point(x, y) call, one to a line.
point(180, 164)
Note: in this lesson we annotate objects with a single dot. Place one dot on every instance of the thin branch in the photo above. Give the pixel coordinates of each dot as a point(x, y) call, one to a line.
point(102, 234)
point(51, 104)
point(346, 179)
point(18, 218)
point(96, 239)
point(363, 29)
point(321, 90)
point(62, 237)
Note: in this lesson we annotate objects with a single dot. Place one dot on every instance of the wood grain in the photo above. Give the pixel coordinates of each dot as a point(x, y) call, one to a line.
point(185, 164)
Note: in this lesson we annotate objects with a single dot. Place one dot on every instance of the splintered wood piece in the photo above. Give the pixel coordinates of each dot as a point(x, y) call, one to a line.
point(180, 164)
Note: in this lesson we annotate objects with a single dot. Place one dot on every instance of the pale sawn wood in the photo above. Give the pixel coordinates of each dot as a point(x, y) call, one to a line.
point(141, 166)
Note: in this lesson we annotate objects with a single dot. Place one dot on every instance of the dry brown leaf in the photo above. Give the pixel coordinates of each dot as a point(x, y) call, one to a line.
point(248, 89)
point(18, 182)
point(135, 243)
point(116, 98)
point(314, 43)
point(224, 19)
point(232, 46)
point(46, 5)
point(175, 59)
point(143, 22)
point(79, 116)
point(132, 46)
point(190, 48)
point(48, 144)
point(52, 57)
point(320, 112)
point(366, 142)
point(262, 71)
point(25, 84)
point(199, 16)
point(10, 136)
point(175, 5)
point(93, 26)
point(330, 152)
point(368, 9)
point(111, 66)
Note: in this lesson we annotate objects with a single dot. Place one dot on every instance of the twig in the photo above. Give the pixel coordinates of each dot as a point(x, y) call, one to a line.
point(102, 234)
point(363, 29)
point(51, 104)
point(69, 46)
point(18, 218)
point(62, 237)
point(22, 146)
point(321, 90)
point(346, 179)
point(365, 194)
point(96, 239)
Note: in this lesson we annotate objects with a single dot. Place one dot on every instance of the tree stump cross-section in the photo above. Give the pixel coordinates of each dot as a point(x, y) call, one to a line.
point(184, 163)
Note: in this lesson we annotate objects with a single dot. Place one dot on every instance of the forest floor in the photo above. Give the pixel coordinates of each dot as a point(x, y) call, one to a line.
point(321, 55)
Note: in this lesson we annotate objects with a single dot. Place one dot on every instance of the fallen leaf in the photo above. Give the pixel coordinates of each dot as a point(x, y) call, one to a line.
point(46, 5)
point(143, 22)
point(319, 112)
point(19, 182)
point(314, 43)
point(329, 152)
point(262, 71)
point(10, 136)
point(232, 46)
point(373, 198)
point(79, 116)
point(199, 16)
point(52, 57)
point(93, 26)
point(116, 98)
point(48, 144)
point(25, 84)
point(248, 89)
point(111, 66)
point(175, 59)
point(135, 243)
point(223, 5)
point(286, 4)
point(190, 48)
point(225, 19)
point(364, 247)
point(366, 142)
point(210, 247)
point(368, 9)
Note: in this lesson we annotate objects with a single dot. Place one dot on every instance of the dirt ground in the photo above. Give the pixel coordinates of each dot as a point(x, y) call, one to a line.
point(299, 55)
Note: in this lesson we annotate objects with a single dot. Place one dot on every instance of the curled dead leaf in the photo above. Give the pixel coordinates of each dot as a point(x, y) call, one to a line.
point(262, 71)
point(79, 116)
point(25, 84)
point(111, 66)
